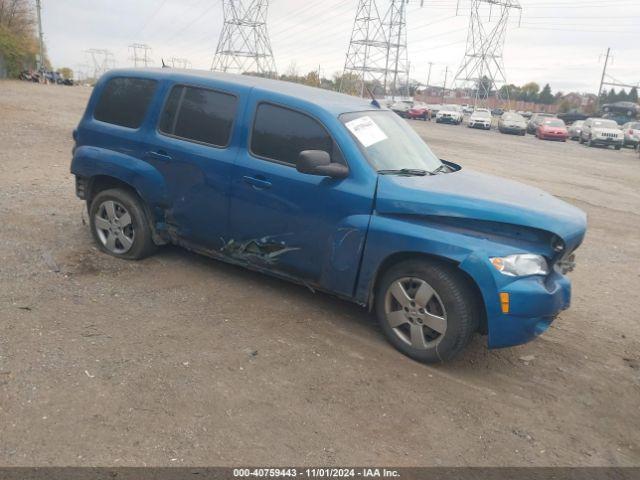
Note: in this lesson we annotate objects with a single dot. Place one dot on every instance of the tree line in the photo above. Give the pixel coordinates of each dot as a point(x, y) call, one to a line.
point(18, 40)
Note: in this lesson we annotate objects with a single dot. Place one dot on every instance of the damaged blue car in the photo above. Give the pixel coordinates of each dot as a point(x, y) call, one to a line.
point(325, 190)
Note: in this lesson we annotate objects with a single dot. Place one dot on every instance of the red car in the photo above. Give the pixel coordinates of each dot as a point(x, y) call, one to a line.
point(552, 129)
point(420, 112)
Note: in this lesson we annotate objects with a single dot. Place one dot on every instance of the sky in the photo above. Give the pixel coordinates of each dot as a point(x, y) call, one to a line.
point(561, 42)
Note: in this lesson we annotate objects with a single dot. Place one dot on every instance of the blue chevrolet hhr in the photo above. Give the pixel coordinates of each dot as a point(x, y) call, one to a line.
point(329, 191)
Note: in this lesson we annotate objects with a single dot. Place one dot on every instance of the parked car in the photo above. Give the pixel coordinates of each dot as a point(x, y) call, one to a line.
point(450, 114)
point(420, 112)
point(480, 118)
point(435, 108)
point(575, 129)
point(402, 108)
point(328, 191)
point(552, 129)
point(512, 123)
point(497, 112)
point(603, 132)
point(467, 109)
point(570, 118)
point(536, 119)
point(631, 132)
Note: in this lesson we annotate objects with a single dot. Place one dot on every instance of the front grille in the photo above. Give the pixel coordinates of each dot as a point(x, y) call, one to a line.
point(609, 135)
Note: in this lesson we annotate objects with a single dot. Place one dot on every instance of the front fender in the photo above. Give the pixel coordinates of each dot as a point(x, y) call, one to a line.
point(392, 235)
point(90, 162)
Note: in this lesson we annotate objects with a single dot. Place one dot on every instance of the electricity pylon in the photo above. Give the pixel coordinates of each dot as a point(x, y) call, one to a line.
point(377, 53)
point(177, 62)
point(244, 45)
point(102, 60)
point(482, 69)
point(398, 60)
point(368, 53)
point(140, 54)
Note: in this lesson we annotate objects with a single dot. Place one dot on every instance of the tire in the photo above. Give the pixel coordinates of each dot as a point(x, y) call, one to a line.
point(581, 140)
point(452, 309)
point(617, 147)
point(130, 241)
point(590, 143)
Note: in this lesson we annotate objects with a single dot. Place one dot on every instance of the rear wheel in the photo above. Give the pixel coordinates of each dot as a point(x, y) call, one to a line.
point(120, 226)
point(427, 310)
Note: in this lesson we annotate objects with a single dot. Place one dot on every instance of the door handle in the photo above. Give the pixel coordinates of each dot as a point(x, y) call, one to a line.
point(160, 155)
point(257, 182)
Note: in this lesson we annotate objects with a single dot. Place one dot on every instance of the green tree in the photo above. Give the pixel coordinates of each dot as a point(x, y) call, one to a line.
point(529, 92)
point(18, 43)
point(546, 97)
point(66, 73)
point(633, 95)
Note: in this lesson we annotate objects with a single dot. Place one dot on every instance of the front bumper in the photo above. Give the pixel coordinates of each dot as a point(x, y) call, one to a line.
point(534, 304)
point(483, 125)
point(554, 136)
point(447, 120)
point(513, 129)
point(607, 141)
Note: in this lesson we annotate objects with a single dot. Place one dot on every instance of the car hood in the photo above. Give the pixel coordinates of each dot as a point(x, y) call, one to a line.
point(450, 112)
point(479, 118)
point(476, 196)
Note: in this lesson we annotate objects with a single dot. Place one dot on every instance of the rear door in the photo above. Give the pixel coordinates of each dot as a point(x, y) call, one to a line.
point(307, 227)
point(193, 147)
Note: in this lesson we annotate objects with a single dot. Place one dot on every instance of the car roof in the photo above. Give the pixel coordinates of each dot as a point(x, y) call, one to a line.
point(334, 102)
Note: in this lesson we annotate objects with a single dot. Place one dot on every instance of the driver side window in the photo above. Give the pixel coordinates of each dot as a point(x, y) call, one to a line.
point(280, 134)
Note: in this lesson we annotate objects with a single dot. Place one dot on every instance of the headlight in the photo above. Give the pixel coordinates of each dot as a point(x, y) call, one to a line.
point(521, 265)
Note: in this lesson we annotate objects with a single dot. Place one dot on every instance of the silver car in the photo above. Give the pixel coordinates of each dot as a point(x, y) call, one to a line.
point(601, 131)
point(512, 123)
point(575, 130)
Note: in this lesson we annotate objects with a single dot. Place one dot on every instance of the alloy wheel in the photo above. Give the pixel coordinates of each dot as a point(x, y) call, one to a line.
point(415, 312)
point(114, 227)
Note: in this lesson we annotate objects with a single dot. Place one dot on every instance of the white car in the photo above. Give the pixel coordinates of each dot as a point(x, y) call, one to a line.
point(450, 114)
point(601, 131)
point(480, 118)
point(631, 132)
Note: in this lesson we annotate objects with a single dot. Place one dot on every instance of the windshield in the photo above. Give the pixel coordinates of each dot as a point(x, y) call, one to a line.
point(513, 117)
point(635, 126)
point(554, 123)
point(388, 142)
point(605, 124)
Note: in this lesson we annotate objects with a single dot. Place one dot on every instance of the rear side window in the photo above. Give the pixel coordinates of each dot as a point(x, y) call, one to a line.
point(124, 101)
point(281, 134)
point(199, 115)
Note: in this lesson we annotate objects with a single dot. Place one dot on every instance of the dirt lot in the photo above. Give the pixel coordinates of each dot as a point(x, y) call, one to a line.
point(181, 360)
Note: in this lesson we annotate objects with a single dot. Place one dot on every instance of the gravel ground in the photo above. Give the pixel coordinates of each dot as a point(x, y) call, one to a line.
point(182, 360)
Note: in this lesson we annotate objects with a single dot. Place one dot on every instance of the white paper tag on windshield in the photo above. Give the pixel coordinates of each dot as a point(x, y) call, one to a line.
point(366, 131)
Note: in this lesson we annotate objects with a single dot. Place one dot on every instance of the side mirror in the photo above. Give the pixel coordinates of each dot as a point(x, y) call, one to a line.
point(318, 162)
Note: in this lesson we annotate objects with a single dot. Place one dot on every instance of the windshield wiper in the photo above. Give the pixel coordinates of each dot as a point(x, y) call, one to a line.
point(414, 172)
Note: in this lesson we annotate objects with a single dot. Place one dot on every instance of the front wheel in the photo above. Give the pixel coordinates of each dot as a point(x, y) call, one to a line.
point(427, 310)
point(120, 226)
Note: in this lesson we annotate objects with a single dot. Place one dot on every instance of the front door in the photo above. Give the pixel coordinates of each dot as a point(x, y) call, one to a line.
point(307, 227)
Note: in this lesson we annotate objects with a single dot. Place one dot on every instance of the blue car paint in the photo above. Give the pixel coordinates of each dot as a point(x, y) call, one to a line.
point(331, 234)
